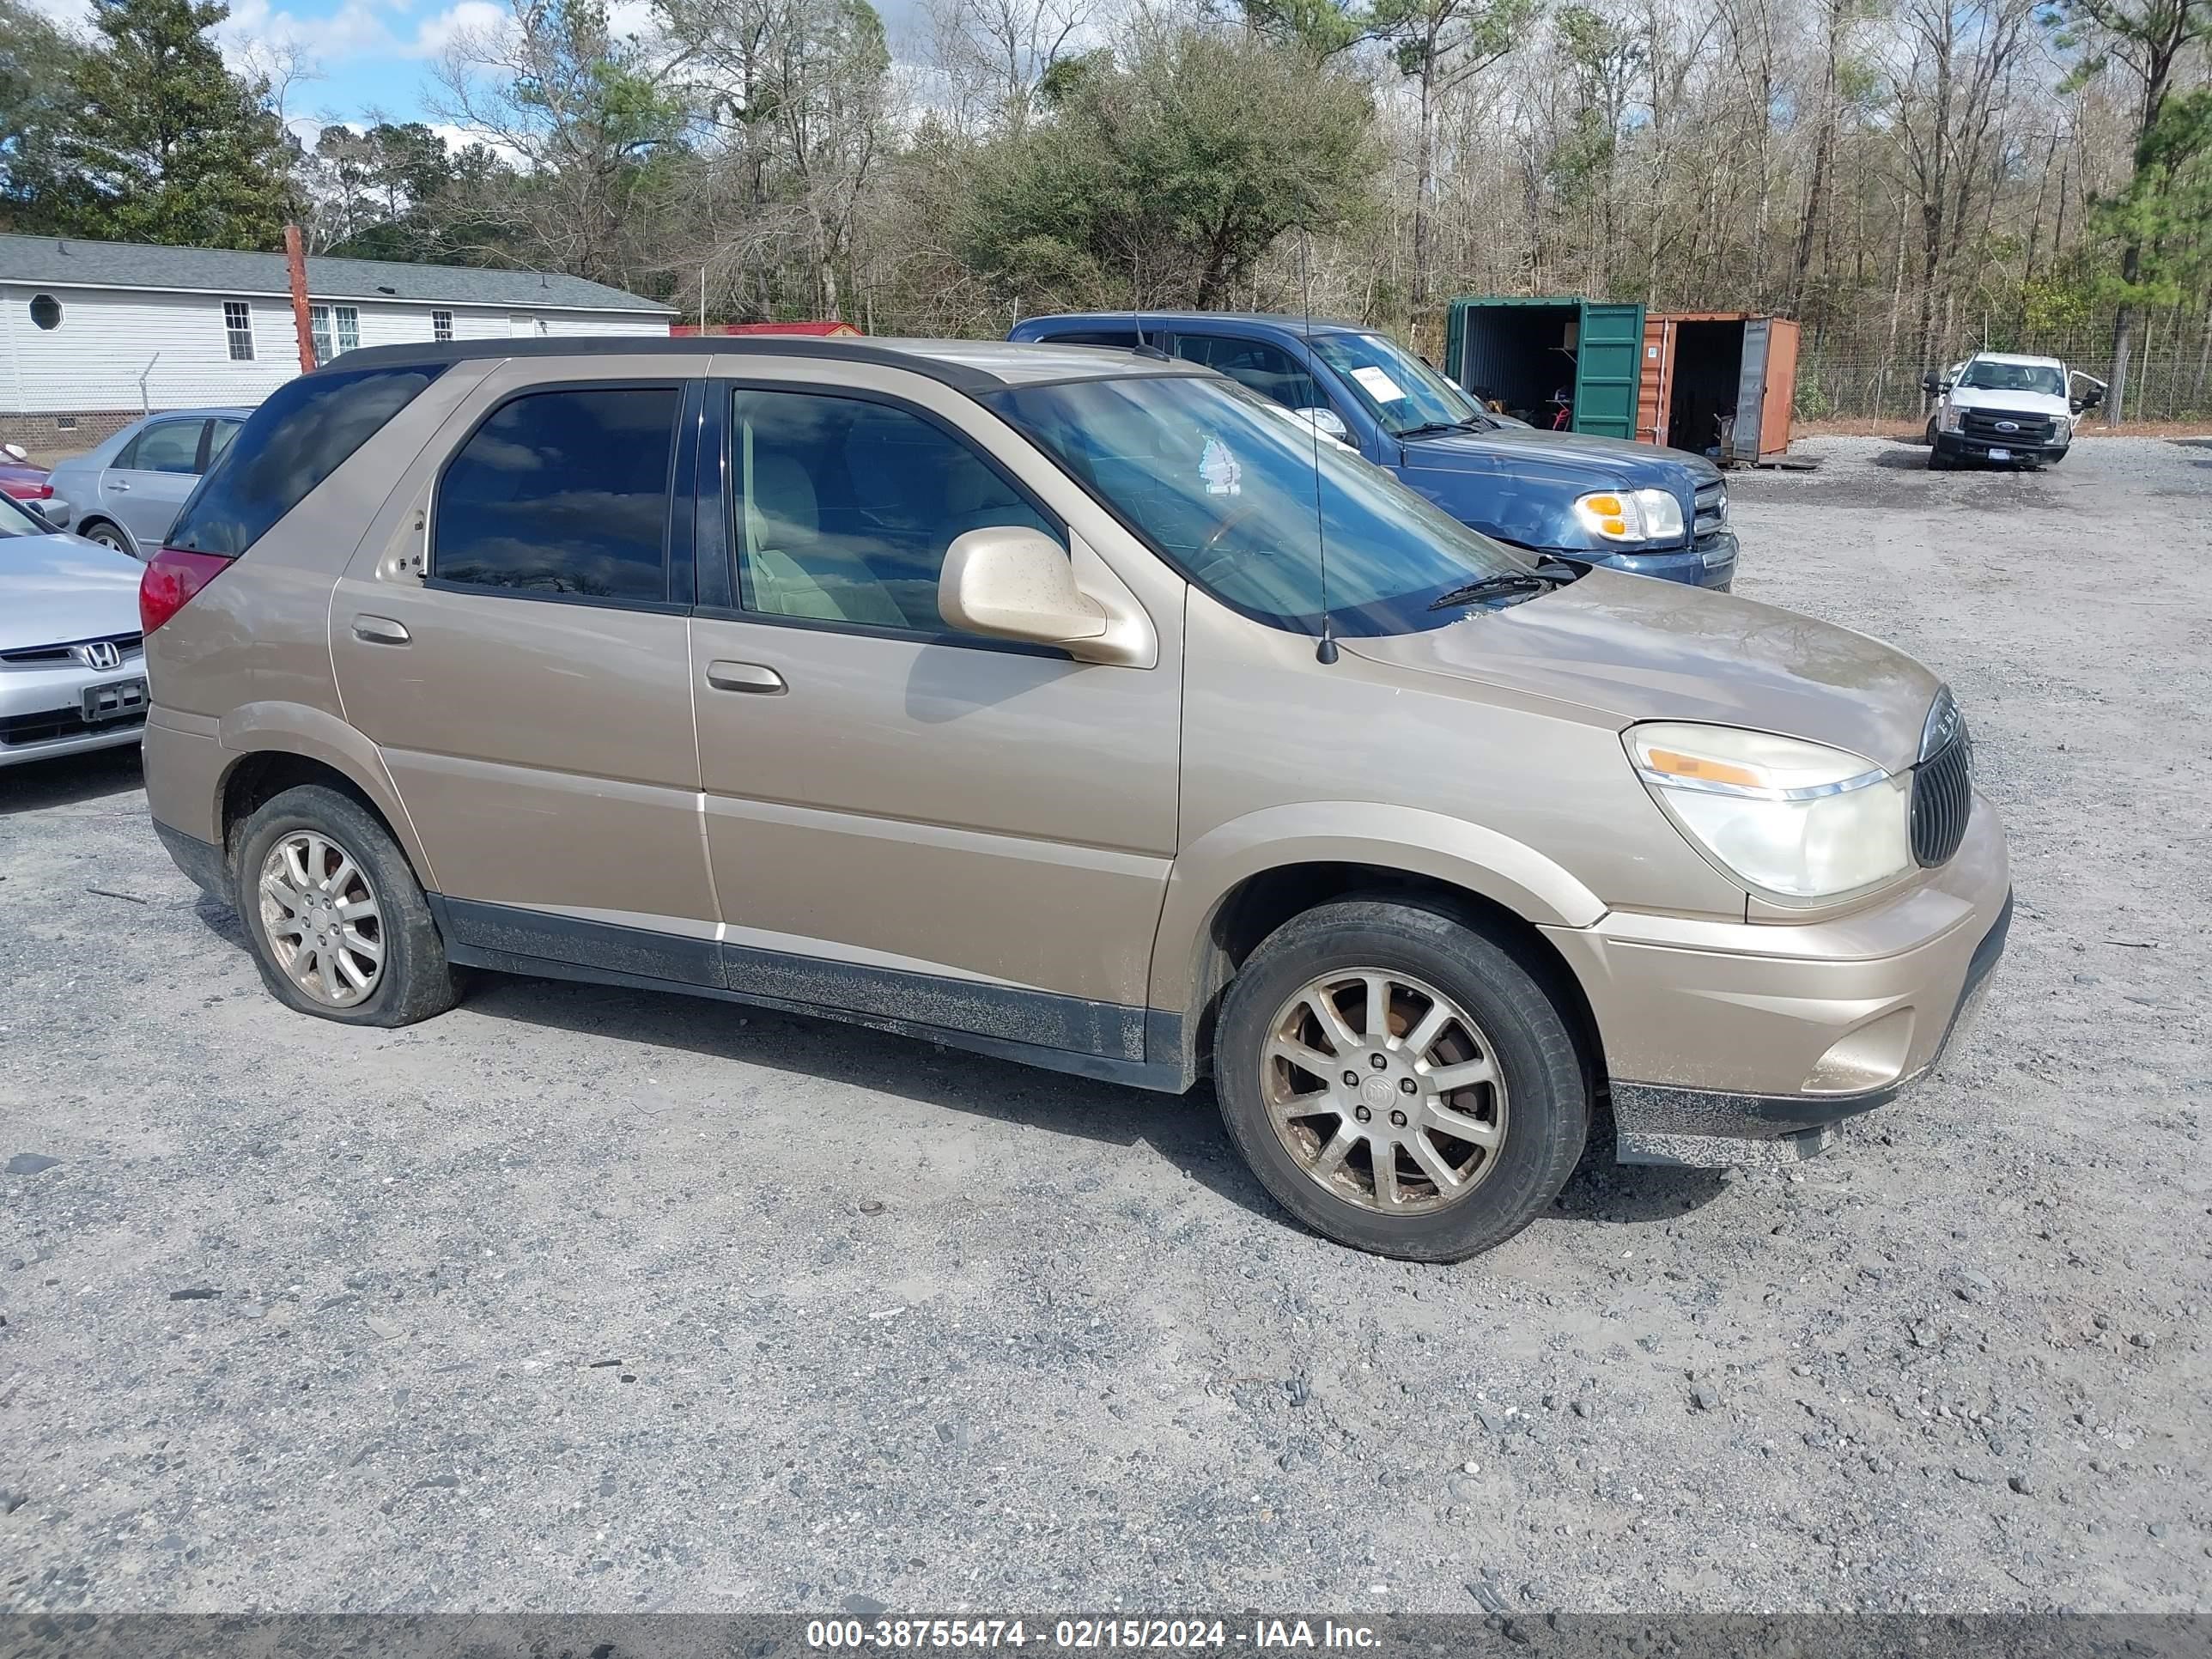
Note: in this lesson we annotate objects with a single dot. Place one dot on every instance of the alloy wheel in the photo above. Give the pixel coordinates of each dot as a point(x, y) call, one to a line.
point(1385, 1091)
point(322, 919)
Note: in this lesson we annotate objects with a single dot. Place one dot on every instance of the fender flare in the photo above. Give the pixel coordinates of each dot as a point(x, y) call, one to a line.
point(294, 728)
point(1466, 855)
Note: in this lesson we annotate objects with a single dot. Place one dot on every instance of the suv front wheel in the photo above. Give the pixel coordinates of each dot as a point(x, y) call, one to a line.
point(1398, 1081)
point(339, 923)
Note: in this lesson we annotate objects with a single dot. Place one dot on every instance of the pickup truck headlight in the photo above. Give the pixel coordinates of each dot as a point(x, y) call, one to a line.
point(1798, 822)
point(1950, 418)
point(1631, 515)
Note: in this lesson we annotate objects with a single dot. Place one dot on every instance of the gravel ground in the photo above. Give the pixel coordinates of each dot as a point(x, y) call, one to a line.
point(582, 1298)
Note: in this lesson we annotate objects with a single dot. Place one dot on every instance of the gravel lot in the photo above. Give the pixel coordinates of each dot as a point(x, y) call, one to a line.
point(582, 1298)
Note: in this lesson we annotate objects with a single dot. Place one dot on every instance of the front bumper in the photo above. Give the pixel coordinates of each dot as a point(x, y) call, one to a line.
point(1742, 1043)
point(1954, 446)
point(42, 711)
point(1711, 564)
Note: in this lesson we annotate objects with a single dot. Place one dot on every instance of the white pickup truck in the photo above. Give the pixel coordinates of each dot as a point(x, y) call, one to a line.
point(1998, 407)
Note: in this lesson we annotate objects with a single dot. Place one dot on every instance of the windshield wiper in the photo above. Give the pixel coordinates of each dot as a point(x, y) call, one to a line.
point(1428, 428)
point(1506, 581)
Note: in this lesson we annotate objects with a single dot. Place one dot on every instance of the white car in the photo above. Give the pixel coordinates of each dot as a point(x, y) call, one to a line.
point(72, 666)
point(2005, 409)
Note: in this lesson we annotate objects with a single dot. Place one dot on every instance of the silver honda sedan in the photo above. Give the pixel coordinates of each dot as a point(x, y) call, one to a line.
point(72, 671)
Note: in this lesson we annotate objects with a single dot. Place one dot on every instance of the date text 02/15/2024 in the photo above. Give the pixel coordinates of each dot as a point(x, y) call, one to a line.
point(1079, 1635)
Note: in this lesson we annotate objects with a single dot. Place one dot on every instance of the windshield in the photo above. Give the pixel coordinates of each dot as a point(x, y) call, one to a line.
point(1225, 490)
point(16, 521)
point(1983, 376)
point(1399, 389)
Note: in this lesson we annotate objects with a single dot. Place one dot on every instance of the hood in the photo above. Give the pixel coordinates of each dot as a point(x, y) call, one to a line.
point(1578, 456)
point(58, 588)
point(2031, 403)
point(1640, 649)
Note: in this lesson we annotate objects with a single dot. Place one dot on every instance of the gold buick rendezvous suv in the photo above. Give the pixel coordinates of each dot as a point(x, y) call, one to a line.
point(1069, 705)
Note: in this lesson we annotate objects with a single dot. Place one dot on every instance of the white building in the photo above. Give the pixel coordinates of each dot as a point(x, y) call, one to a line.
point(95, 334)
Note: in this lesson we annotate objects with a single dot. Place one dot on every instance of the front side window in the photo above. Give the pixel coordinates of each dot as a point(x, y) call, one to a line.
point(335, 329)
point(165, 447)
point(846, 507)
point(1269, 370)
point(564, 492)
point(1226, 490)
point(1401, 391)
point(238, 330)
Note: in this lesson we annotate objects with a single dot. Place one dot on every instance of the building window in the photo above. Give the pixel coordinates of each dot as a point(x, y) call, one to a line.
point(65, 422)
point(321, 321)
point(238, 326)
point(46, 311)
point(442, 324)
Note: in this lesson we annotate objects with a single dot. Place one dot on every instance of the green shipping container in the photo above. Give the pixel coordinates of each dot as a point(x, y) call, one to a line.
point(1535, 358)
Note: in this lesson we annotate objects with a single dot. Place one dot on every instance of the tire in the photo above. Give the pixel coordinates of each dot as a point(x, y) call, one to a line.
point(1937, 461)
point(106, 535)
point(1541, 1116)
point(407, 977)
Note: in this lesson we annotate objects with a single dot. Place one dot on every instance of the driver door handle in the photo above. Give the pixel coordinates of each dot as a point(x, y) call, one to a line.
point(757, 678)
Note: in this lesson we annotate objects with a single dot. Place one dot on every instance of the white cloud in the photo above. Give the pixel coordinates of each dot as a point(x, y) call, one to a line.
point(469, 17)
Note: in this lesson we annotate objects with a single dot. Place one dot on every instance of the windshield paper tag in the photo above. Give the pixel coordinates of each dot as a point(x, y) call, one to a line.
point(1380, 386)
point(1223, 474)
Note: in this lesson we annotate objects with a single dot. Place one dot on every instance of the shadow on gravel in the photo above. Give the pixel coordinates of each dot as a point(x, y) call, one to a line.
point(69, 780)
point(1184, 1129)
point(1905, 455)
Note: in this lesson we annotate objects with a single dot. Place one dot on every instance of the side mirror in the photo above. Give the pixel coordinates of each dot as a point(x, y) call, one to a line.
point(1327, 422)
point(55, 511)
point(1928, 384)
point(1016, 585)
point(2092, 397)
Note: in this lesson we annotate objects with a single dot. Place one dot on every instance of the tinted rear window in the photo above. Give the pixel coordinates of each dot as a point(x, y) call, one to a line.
point(295, 441)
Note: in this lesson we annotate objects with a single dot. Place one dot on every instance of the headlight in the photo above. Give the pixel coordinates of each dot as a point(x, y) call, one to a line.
point(1631, 515)
point(1799, 822)
point(1950, 418)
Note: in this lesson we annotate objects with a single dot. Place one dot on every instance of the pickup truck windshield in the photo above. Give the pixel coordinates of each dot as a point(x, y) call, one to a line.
point(1226, 490)
point(1985, 376)
point(1399, 389)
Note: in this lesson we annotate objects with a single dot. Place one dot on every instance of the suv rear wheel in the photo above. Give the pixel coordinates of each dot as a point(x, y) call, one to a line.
point(1398, 1081)
point(339, 925)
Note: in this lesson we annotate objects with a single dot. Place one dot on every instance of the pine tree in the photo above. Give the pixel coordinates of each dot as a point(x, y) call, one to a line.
point(175, 148)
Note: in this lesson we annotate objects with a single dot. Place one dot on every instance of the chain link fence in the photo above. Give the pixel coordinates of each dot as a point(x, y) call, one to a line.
point(2168, 380)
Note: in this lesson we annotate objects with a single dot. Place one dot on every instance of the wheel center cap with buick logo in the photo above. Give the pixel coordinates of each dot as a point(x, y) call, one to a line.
point(1378, 1091)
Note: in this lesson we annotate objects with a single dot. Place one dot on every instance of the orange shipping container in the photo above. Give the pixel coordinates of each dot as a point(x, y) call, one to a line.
point(1719, 383)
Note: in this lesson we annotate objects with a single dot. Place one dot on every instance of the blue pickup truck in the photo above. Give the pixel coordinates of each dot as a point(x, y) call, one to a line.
point(1630, 507)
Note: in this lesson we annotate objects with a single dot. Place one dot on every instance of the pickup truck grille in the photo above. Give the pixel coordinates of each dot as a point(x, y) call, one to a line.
point(1943, 800)
point(1710, 514)
point(1987, 426)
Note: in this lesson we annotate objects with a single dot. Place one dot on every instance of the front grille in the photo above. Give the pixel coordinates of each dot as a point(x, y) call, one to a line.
point(127, 646)
point(1981, 425)
point(18, 730)
point(1943, 800)
point(1710, 514)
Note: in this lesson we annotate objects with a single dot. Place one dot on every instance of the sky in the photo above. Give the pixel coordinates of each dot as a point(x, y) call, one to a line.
point(378, 56)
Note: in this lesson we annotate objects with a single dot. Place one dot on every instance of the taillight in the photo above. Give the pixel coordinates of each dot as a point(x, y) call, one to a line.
point(32, 492)
point(172, 576)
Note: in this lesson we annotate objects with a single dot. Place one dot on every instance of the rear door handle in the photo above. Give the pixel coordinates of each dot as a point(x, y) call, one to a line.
point(753, 676)
point(120, 487)
point(380, 630)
